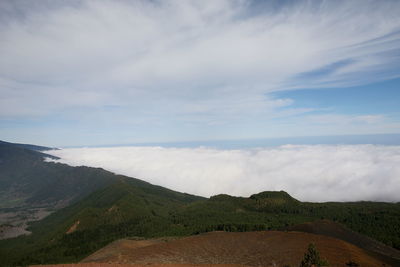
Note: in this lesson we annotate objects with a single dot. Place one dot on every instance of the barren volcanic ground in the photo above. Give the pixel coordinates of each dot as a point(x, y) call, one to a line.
point(137, 265)
point(268, 248)
point(332, 229)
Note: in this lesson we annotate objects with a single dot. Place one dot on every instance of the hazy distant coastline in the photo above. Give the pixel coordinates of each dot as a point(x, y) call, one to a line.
point(373, 139)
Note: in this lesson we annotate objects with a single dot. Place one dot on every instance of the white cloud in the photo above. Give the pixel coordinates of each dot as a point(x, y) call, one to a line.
point(309, 173)
point(157, 56)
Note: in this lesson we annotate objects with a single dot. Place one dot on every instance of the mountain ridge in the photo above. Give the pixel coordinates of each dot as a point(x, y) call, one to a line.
point(28, 146)
point(120, 207)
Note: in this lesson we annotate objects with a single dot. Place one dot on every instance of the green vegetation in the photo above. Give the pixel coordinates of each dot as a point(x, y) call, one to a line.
point(128, 207)
point(107, 207)
point(27, 181)
point(27, 146)
point(275, 212)
point(312, 258)
point(131, 207)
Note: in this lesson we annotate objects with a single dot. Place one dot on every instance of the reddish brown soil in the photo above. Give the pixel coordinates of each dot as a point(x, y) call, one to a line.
point(137, 265)
point(270, 248)
point(336, 230)
point(117, 249)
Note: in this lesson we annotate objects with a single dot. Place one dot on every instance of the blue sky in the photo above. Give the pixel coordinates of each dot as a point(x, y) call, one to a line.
point(122, 72)
point(380, 98)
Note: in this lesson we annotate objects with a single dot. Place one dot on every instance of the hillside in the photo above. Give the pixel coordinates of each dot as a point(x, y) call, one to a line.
point(136, 265)
point(127, 207)
point(124, 207)
point(268, 248)
point(27, 181)
point(30, 188)
point(336, 230)
point(278, 210)
point(101, 207)
point(132, 208)
point(28, 146)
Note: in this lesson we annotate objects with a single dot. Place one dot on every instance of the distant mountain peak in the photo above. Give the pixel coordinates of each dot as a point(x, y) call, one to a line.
point(28, 146)
point(280, 196)
point(221, 197)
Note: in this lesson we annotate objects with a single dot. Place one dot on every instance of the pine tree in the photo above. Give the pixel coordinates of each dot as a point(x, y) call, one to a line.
point(312, 258)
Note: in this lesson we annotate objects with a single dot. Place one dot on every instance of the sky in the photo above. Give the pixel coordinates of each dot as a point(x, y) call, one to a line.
point(87, 73)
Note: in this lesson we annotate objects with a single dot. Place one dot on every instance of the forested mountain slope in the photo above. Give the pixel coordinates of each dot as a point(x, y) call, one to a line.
point(27, 181)
point(28, 146)
point(130, 207)
point(103, 207)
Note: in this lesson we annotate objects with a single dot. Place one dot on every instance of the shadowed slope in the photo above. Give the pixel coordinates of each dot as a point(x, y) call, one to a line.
point(28, 146)
point(336, 230)
point(26, 180)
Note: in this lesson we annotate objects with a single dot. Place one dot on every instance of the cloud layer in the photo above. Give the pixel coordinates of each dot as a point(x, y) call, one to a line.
point(307, 172)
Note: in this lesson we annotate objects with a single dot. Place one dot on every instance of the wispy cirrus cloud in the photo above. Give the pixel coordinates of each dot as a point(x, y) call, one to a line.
point(334, 119)
point(176, 61)
point(307, 172)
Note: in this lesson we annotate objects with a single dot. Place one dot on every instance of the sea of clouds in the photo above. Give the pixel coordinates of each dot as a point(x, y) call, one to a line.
point(307, 172)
